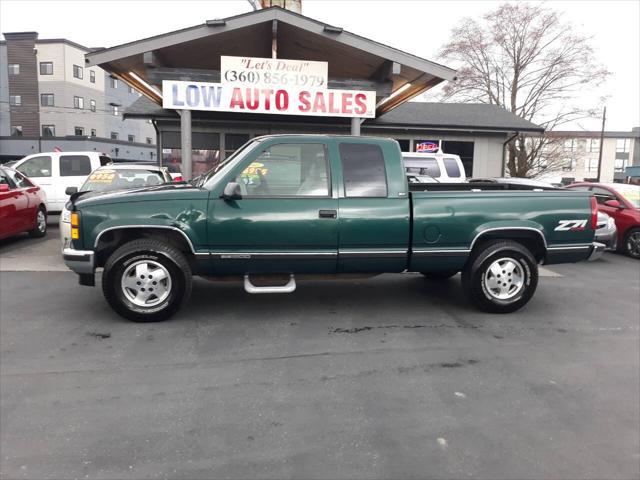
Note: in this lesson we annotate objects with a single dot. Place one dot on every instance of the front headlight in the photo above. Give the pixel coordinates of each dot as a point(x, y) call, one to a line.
point(66, 216)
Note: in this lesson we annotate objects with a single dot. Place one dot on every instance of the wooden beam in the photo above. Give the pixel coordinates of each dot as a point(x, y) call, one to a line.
point(386, 71)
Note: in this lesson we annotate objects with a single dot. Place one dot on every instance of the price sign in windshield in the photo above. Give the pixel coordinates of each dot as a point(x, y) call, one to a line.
point(273, 72)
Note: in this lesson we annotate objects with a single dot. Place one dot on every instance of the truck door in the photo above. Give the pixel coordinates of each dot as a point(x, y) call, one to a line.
point(286, 220)
point(373, 207)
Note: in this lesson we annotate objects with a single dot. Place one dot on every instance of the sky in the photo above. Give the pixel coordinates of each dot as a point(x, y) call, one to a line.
point(420, 27)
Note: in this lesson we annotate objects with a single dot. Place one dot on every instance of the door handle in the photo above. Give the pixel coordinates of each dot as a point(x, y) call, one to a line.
point(328, 213)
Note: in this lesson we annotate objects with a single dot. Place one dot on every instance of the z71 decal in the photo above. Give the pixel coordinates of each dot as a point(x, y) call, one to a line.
point(571, 225)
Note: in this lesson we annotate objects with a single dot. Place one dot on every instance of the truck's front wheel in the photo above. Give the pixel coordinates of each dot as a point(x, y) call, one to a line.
point(502, 277)
point(146, 280)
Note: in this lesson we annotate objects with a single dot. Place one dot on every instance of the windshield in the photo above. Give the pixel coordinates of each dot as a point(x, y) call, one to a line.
point(631, 193)
point(225, 166)
point(105, 180)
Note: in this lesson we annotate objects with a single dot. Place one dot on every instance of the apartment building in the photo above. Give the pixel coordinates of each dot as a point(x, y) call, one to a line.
point(576, 155)
point(49, 99)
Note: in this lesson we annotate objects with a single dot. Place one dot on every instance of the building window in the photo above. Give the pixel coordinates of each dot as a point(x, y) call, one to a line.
point(233, 141)
point(619, 164)
point(114, 135)
point(568, 165)
point(78, 131)
point(622, 145)
point(149, 140)
point(131, 138)
point(14, 69)
point(593, 164)
point(569, 145)
point(405, 144)
point(48, 130)
point(113, 82)
point(46, 68)
point(15, 100)
point(46, 100)
point(93, 132)
point(594, 145)
point(16, 130)
point(114, 109)
point(92, 76)
point(77, 72)
point(92, 105)
point(78, 102)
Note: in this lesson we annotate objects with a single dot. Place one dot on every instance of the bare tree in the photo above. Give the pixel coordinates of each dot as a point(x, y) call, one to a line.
point(524, 58)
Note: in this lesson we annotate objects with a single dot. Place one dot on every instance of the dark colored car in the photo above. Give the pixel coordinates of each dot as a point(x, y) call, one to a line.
point(622, 202)
point(22, 205)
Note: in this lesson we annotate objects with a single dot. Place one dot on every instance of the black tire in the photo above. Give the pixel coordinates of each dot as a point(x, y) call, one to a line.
point(445, 275)
point(631, 244)
point(172, 264)
point(477, 279)
point(41, 228)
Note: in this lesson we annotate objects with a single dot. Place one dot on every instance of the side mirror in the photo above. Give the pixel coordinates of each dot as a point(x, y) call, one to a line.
point(232, 191)
point(4, 187)
point(71, 190)
point(613, 204)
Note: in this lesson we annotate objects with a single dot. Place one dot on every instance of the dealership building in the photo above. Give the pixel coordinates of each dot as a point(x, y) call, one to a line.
point(365, 90)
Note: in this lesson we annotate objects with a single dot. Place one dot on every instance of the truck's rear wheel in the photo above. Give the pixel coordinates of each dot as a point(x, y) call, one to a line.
point(146, 280)
point(502, 277)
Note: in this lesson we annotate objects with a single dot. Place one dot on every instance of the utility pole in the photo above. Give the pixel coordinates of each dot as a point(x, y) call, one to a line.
point(604, 117)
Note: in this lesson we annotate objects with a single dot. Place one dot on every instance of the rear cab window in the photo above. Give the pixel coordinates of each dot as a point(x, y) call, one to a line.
point(451, 167)
point(422, 166)
point(104, 160)
point(363, 170)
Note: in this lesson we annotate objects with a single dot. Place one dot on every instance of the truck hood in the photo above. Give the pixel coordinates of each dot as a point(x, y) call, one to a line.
point(155, 193)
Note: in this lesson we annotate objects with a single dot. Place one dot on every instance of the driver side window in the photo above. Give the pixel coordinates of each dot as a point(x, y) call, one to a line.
point(36, 167)
point(288, 170)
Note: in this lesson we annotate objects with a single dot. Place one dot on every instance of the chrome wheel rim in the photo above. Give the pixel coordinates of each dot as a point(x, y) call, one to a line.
point(504, 278)
point(41, 220)
point(146, 283)
point(633, 244)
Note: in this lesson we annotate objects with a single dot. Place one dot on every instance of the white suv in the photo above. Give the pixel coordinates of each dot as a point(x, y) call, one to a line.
point(55, 171)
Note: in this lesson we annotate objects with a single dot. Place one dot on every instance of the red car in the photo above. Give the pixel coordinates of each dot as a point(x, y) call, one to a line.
point(22, 205)
point(622, 202)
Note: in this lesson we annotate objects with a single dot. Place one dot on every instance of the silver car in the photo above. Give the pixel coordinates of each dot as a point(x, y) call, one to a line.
point(606, 231)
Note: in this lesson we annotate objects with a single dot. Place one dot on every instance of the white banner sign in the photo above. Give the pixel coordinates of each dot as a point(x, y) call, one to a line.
point(281, 100)
point(273, 72)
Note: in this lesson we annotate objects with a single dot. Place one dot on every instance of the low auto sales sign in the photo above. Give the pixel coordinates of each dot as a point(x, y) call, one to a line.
point(273, 86)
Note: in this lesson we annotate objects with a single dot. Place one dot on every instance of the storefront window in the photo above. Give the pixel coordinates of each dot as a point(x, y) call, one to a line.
point(405, 145)
point(205, 153)
point(464, 150)
point(233, 141)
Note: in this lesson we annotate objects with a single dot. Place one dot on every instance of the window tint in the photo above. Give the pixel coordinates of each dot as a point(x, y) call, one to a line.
point(451, 166)
point(363, 170)
point(36, 167)
point(19, 180)
point(603, 195)
point(288, 170)
point(422, 166)
point(74, 165)
point(104, 160)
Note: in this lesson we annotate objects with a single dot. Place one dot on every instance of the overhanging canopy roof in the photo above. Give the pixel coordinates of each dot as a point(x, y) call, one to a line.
point(195, 52)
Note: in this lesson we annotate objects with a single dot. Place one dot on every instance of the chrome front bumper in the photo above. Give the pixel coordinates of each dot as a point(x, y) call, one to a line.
point(79, 261)
point(596, 251)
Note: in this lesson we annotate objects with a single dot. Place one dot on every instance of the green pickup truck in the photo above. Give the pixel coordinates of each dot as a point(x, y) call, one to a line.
point(286, 207)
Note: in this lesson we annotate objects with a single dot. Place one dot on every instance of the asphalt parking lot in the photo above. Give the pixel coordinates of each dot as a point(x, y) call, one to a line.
point(394, 377)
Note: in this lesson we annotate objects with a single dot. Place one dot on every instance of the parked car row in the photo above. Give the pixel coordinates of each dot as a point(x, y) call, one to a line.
point(22, 205)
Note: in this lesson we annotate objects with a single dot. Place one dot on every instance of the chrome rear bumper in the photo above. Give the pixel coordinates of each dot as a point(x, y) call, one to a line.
point(596, 251)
